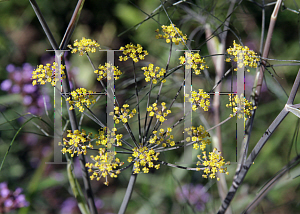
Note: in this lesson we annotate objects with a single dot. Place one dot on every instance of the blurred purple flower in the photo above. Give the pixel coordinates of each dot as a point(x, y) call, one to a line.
point(27, 100)
point(6, 85)
point(10, 68)
point(70, 205)
point(15, 89)
point(29, 88)
point(11, 200)
point(196, 195)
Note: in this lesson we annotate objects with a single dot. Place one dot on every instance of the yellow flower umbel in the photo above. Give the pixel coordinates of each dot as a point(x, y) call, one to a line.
point(103, 69)
point(199, 99)
point(136, 53)
point(153, 75)
point(162, 137)
point(194, 61)
point(198, 136)
point(102, 138)
point(160, 114)
point(171, 34)
point(81, 97)
point(84, 46)
point(240, 105)
point(122, 114)
point(104, 166)
point(238, 53)
point(46, 73)
point(77, 142)
point(213, 163)
point(144, 159)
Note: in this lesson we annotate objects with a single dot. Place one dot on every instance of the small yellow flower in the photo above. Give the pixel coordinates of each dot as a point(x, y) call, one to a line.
point(46, 73)
point(123, 114)
point(171, 33)
point(238, 53)
point(163, 137)
point(136, 53)
point(76, 143)
point(194, 61)
point(153, 74)
point(81, 97)
point(143, 157)
point(213, 163)
point(240, 104)
point(160, 115)
point(199, 137)
point(104, 165)
point(84, 46)
point(103, 69)
point(199, 99)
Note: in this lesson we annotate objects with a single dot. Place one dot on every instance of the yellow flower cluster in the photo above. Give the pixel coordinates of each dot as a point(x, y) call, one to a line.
point(160, 115)
point(122, 114)
point(104, 135)
point(83, 46)
point(144, 158)
point(198, 135)
point(103, 69)
point(213, 163)
point(240, 105)
point(153, 75)
point(199, 99)
point(104, 166)
point(194, 61)
point(162, 137)
point(77, 143)
point(238, 53)
point(136, 53)
point(81, 97)
point(171, 34)
point(46, 73)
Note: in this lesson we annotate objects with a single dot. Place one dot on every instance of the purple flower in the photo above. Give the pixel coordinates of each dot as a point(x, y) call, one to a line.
point(6, 85)
point(10, 68)
point(68, 206)
point(27, 100)
point(28, 88)
point(11, 200)
point(196, 195)
point(15, 89)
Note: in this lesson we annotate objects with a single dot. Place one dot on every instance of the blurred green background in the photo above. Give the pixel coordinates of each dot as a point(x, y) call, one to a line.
point(113, 24)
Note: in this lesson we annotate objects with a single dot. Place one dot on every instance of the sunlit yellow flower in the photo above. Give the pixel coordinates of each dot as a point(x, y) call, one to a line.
point(105, 165)
point(162, 137)
point(84, 46)
point(243, 56)
point(81, 97)
point(154, 74)
point(136, 53)
point(199, 99)
point(103, 69)
point(198, 136)
point(240, 104)
point(77, 142)
point(213, 163)
point(144, 157)
point(46, 73)
point(122, 114)
point(194, 61)
point(159, 114)
point(171, 34)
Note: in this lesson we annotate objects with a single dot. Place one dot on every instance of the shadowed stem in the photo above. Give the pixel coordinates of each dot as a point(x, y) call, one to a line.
point(138, 103)
point(128, 193)
point(66, 87)
point(240, 175)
